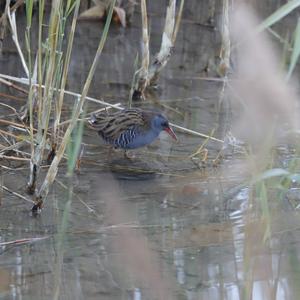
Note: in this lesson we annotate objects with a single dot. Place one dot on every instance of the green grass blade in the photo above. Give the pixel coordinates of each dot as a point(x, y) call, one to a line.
point(29, 7)
point(70, 7)
point(279, 14)
point(296, 51)
point(74, 146)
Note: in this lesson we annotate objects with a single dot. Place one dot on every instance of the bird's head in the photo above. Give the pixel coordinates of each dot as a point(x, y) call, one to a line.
point(160, 122)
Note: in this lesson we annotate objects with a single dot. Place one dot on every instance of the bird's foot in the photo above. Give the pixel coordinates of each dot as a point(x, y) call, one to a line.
point(129, 156)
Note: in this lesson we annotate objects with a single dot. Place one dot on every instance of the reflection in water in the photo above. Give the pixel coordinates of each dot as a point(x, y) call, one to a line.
point(179, 264)
point(137, 294)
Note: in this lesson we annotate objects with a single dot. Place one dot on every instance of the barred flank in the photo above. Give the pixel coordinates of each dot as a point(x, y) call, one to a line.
point(120, 128)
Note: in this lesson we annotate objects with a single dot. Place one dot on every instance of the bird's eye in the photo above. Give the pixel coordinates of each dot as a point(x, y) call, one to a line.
point(164, 124)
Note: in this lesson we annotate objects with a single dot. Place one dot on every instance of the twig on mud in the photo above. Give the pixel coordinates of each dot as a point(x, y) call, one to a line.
point(10, 84)
point(14, 158)
point(18, 125)
point(9, 134)
point(10, 107)
point(16, 194)
point(201, 148)
point(5, 139)
point(7, 96)
point(24, 241)
point(14, 146)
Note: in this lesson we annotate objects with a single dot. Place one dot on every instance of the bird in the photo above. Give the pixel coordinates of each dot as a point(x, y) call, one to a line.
point(130, 128)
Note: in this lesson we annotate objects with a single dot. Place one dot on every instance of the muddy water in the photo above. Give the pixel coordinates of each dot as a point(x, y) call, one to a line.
point(160, 226)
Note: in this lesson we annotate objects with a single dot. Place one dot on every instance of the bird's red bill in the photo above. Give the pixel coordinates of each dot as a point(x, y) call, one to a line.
point(171, 133)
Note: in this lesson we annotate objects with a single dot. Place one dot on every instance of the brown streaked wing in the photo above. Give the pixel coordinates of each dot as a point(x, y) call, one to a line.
point(111, 126)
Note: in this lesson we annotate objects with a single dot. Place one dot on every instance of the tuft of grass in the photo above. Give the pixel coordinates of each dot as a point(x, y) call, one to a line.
point(47, 80)
point(74, 146)
point(52, 171)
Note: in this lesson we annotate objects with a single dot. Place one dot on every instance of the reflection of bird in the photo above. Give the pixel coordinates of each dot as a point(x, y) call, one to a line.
point(130, 128)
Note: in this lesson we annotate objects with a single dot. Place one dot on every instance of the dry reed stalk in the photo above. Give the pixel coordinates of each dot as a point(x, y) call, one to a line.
point(12, 21)
point(3, 22)
point(8, 83)
point(10, 134)
point(167, 44)
point(225, 46)
point(12, 123)
point(148, 75)
point(45, 100)
point(16, 194)
point(24, 241)
point(64, 78)
point(13, 158)
point(141, 75)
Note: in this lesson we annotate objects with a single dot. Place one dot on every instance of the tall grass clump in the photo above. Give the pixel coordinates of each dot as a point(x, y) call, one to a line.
point(47, 72)
point(78, 106)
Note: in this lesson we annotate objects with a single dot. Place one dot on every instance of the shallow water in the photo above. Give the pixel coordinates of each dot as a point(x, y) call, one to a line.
point(160, 226)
